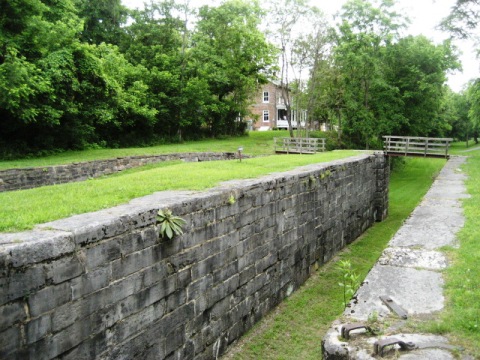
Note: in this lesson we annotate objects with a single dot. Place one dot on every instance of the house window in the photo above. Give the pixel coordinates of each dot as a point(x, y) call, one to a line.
point(265, 96)
point(266, 116)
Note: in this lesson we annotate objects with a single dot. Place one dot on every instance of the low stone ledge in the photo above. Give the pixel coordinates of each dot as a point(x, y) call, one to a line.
point(27, 178)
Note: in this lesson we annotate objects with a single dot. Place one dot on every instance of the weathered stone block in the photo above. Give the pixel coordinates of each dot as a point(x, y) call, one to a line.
point(135, 262)
point(90, 282)
point(63, 269)
point(49, 298)
point(31, 247)
point(91, 348)
point(10, 342)
point(21, 283)
point(175, 339)
point(11, 314)
point(222, 290)
point(225, 272)
point(102, 253)
point(38, 328)
point(137, 322)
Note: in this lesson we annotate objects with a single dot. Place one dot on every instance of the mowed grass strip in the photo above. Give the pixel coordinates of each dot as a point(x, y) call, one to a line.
point(255, 143)
point(23, 209)
point(461, 318)
point(295, 329)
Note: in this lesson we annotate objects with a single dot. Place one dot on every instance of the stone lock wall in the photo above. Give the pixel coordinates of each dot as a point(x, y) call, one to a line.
point(27, 178)
point(103, 286)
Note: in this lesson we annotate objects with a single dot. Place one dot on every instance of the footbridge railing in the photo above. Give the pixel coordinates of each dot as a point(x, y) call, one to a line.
point(289, 145)
point(416, 146)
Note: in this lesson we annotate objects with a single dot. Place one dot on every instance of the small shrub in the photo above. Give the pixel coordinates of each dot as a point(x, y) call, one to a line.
point(170, 225)
point(350, 280)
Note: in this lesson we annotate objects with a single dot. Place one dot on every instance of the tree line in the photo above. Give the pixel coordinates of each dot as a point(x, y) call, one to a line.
point(78, 74)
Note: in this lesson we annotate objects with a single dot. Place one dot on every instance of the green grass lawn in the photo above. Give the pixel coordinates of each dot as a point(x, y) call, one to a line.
point(22, 209)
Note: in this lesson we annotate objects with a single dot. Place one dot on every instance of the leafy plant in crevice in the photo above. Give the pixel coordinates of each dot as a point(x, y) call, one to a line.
point(325, 174)
point(350, 280)
point(170, 225)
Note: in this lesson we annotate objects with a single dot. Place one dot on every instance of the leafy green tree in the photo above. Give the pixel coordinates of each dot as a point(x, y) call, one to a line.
point(30, 32)
point(463, 20)
point(463, 23)
point(287, 32)
point(417, 69)
point(455, 110)
point(310, 51)
point(390, 85)
point(364, 34)
point(103, 20)
point(59, 93)
point(233, 56)
point(155, 40)
point(473, 97)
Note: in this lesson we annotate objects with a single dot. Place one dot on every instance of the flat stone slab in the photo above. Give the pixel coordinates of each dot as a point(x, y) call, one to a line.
point(412, 258)
point(427, 237)
point(447, 190)
point(436, 214)
point(416, 291)
point(451, 203)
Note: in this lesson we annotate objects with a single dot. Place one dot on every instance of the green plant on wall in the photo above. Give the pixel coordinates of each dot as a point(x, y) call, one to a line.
point(170, 225)
point(350, 280)
point(325, 174)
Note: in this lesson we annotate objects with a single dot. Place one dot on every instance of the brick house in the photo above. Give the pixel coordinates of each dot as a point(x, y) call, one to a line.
point(269, 109)
point(268, 106)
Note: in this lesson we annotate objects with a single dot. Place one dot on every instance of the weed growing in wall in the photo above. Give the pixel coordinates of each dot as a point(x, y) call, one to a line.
point(170, 225)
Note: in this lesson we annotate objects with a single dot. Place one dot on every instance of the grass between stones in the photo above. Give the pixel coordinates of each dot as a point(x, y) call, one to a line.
point(21, 210)
point(461, 318)
point(295, 329)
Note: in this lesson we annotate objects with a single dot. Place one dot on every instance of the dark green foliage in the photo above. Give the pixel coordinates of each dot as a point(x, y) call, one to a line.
point(102, 20)
point(418, 71)
point(77, 74)
point(380, 83)
point(64, 83)
point(473, 98)
point(332, 140)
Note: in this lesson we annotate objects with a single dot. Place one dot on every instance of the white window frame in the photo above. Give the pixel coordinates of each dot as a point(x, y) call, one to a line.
point(266, 97)
point(266, 115)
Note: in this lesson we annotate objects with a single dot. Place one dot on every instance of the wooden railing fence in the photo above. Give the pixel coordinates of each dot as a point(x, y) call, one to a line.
point(416, 146)
point(289, 145)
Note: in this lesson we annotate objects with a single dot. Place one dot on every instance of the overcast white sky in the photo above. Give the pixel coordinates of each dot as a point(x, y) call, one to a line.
point(424, 15)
